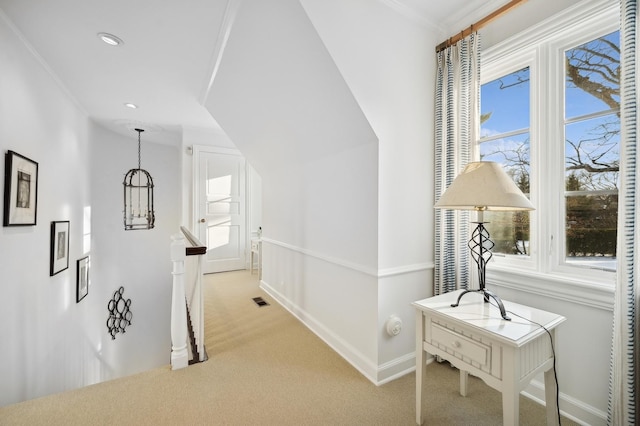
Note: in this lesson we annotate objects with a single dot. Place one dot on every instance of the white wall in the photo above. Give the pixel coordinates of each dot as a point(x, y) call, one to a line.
point(283, 103)
point(388, 62)
point(44, 333)
point(50, 343)
point(347, 191)
point(318, 239)
point(137, 260)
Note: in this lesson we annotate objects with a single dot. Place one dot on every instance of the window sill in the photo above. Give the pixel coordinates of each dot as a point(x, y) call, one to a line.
point(563, 287)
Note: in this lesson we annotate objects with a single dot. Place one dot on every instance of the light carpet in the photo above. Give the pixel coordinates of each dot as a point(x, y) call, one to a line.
point(266, 368)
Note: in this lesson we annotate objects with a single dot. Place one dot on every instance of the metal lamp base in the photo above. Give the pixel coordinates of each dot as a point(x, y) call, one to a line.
point(480, 246)
point(487, 294)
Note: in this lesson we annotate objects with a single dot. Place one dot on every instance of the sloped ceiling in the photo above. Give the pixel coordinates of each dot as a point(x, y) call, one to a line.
point(170, 52)
point(277, 92)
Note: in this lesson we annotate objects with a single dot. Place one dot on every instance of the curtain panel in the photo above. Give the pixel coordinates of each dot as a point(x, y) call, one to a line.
point(623, 375)
point(457, 111)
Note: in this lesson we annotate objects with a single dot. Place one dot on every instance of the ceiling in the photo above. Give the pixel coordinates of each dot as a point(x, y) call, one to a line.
point(169, 53)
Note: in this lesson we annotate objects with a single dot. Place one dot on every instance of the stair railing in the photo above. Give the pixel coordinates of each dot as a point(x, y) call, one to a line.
point(187, 310)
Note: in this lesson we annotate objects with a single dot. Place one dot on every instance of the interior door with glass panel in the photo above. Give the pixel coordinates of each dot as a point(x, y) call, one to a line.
point(220, 202)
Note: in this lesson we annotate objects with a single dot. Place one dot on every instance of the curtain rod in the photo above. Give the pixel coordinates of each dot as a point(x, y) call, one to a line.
point(481, 23)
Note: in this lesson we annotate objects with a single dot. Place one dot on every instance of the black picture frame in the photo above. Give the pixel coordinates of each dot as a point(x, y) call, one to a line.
point(20, 190)
point(82, 278)
point(59, 246)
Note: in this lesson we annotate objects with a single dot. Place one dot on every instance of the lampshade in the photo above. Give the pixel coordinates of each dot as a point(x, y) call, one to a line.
point(483, 185)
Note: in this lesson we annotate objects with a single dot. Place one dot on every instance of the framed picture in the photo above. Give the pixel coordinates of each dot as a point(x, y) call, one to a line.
point(59, 246)
point(82, 280)
point(20, 190)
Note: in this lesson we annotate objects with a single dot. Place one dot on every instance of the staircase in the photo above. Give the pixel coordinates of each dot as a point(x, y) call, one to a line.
point(187, 312)
point(194, 352)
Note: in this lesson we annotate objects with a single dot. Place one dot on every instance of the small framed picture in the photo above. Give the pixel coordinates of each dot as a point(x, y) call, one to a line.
point(59, 246)
point(82, 280)
point(20, 190)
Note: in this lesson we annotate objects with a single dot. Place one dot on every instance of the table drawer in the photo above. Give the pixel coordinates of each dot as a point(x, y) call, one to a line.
point(460, 346)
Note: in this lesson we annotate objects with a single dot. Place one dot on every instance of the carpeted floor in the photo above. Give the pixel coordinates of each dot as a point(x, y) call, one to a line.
point(266, 368)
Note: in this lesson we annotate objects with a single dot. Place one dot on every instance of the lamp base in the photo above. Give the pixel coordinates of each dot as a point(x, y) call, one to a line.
point(487, 294)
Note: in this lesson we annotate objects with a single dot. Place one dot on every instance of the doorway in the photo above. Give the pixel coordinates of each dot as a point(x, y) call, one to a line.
point(220, 207)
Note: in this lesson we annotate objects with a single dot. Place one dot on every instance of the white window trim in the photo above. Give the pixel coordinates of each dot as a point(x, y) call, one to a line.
point(544, 271)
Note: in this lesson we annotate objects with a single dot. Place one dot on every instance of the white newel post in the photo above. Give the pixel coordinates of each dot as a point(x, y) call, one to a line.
point(179, 352)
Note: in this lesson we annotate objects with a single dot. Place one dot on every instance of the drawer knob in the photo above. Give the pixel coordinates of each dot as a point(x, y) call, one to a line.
point(456, 344)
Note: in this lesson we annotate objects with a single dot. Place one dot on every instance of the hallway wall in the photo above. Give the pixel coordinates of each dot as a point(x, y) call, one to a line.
point(50, 343)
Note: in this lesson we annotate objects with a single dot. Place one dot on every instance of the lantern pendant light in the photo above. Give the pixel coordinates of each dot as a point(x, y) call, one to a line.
point(138, 197)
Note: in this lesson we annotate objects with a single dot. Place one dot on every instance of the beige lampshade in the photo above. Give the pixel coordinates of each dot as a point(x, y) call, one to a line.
point(483, 185)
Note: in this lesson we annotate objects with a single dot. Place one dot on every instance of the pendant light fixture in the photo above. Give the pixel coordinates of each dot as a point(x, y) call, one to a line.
point(138, 197)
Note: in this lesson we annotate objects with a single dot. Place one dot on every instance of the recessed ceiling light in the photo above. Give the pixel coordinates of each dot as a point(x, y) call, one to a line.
point(110, 39)
point(130, 105)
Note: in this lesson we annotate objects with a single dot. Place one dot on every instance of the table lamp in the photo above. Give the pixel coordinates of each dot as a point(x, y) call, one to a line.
point(483, 186)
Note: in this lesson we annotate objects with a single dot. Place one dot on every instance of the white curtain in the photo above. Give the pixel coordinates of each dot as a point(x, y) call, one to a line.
point(456, 116)
point(623, 375)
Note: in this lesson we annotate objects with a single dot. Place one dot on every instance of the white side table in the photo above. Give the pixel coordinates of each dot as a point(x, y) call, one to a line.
point(256, 252)
point(506, 355)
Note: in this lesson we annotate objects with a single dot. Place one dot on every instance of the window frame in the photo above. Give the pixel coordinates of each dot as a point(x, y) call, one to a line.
point(542, 49)
point(524, 59)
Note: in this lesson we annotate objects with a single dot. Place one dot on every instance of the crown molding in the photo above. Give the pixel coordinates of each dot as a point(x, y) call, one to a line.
point(416, 15)
point(471, 13)
point(462, 17)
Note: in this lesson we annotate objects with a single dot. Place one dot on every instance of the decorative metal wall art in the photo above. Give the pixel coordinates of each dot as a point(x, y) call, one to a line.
point(119, 313)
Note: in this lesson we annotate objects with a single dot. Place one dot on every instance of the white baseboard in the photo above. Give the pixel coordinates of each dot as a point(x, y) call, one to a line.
point(571, 408)
point(396, 368)
point(365, 366)
point(377, 374)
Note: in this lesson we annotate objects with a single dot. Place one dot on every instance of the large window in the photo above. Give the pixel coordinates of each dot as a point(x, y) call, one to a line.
point(550, 115)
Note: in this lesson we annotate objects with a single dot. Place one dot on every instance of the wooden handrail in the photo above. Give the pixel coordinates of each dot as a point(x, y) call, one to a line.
point(196, 247)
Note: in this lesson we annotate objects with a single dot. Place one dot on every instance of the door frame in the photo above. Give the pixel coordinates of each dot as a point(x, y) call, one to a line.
point(211, 149)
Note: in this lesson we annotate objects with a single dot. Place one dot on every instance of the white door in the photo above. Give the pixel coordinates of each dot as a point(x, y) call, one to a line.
point(220, 212)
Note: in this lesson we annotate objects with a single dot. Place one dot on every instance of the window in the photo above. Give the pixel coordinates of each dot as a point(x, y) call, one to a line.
point(504, 138)
point(549, 108)
point(592, 130)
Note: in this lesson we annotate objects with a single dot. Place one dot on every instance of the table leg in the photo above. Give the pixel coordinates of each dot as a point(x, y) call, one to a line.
point(510, 386)
point(510, 406)
point(464, 381)
point(420, 365)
